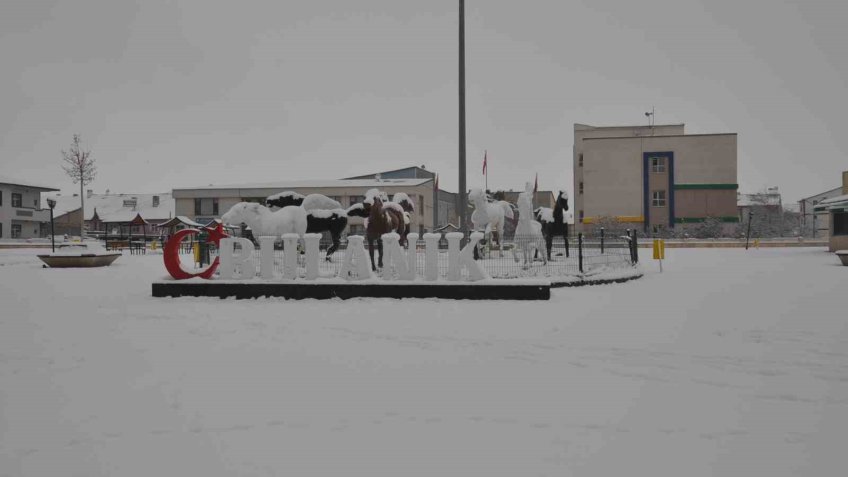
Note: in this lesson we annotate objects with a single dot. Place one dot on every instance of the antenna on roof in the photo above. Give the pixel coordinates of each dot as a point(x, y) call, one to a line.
point(650, 116)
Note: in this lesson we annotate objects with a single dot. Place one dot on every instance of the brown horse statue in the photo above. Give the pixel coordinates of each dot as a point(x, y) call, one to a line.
point(381, 221)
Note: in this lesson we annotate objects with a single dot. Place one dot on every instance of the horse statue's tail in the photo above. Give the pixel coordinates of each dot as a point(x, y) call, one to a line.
point(507, 209)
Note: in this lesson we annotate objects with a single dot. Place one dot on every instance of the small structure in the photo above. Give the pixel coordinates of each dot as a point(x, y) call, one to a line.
point(816, 224)
point(837, 210)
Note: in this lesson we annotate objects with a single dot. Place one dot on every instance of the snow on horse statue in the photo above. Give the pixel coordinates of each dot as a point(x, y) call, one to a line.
point(323, 214)
point(265, 222)
point(528, 232)
point(403, 200)
point(489, 217)
point(553, 222)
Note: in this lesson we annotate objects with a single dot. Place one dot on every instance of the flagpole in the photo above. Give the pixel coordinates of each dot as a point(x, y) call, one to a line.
point(435, 203)
point(486, 159)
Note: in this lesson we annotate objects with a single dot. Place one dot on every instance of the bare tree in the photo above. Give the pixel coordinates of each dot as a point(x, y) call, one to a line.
point(80, 167)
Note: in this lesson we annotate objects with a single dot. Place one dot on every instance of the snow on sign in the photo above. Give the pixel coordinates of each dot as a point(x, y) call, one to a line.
point(238, 264)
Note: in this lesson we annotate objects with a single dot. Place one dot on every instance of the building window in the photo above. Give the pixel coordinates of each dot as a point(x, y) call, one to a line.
point(658, 229)
point(336, 198)
point(580, 160)
point(356, 199)
point(658, 199)
point(16, 230)
point(17, 201)
point(206, 207)
point(581, 187)
point(840, 223)
point(356, 230)
point(658, 164)
point(35, 203)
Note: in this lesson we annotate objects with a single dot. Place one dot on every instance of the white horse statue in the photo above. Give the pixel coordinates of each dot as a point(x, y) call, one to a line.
point(489, 217)
point(528, 232)
point(265, 222)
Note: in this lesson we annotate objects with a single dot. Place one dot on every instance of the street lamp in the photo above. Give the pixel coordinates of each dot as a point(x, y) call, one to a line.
point(748, 235)
point(52, 203)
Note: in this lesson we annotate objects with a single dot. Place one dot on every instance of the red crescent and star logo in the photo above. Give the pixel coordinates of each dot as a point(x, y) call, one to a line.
point(172, 252)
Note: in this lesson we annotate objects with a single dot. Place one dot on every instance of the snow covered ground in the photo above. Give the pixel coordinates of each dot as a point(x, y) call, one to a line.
point(728, 363)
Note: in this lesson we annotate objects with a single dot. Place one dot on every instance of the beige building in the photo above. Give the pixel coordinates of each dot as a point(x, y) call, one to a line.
point(21, 215)
point(655, 177)
point(202, 204)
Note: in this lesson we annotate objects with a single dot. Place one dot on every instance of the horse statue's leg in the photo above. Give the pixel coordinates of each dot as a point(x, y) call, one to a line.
point(371, 254)
point(380, 250)
point(549, 239)
point(333, 247)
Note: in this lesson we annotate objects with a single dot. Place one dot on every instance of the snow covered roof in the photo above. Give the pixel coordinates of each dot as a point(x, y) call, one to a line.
point(838, 202)
point(180, 219)
point(116, 207)
point(24, 183)
point(325, 183)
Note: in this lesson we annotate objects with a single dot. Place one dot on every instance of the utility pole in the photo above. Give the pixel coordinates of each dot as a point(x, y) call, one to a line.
point(463, 207)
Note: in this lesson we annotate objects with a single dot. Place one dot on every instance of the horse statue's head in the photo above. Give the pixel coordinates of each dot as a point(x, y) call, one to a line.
point(243, 213)
point(562, 200)
point(477, 195)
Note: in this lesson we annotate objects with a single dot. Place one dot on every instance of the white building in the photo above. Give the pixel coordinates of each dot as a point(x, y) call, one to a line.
point(21, 215)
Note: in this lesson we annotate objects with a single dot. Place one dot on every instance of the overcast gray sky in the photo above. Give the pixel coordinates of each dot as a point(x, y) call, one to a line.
point(176, 94)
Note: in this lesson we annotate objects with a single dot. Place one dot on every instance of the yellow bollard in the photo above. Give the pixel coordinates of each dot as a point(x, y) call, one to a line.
point(196, 250)
point(659, 251)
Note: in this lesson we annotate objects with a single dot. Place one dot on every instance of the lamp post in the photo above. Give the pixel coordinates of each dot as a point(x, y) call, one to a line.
point(52, 203)
point(463, 208)
point(748, 235)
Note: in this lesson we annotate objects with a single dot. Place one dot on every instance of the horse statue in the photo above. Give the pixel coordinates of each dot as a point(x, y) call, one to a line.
point(553, 222)
point(265, 222)
point(381, 220)
point(489, 217)
point(528, 232)
point(401, 203)
point(323, 214)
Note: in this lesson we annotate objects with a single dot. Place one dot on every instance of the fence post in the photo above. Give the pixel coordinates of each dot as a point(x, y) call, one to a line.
point(635, 251)
point(580, 251)
point(602, 240)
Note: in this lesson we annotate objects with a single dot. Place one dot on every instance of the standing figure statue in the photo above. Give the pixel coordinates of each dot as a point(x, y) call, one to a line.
point(554, 223)
point(528, 232)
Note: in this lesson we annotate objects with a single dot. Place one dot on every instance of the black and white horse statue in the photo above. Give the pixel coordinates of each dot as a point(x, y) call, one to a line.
point(323, 214)
point(553, 222)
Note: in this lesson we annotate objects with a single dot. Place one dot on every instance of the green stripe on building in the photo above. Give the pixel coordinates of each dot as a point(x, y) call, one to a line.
point(698, 220)
point(706, 186)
